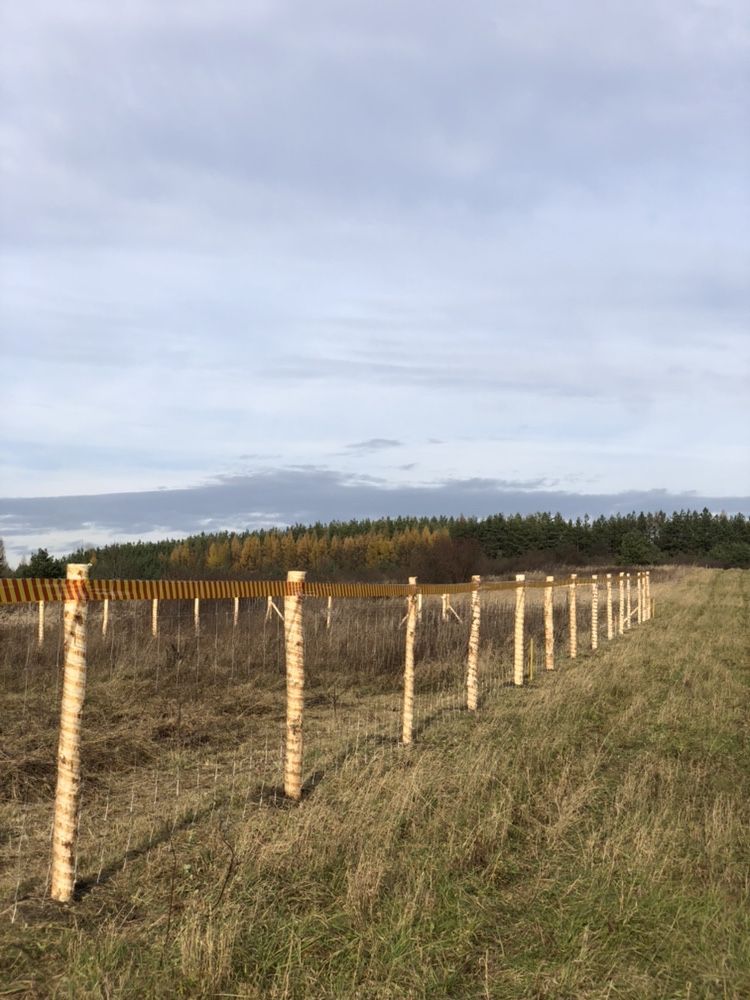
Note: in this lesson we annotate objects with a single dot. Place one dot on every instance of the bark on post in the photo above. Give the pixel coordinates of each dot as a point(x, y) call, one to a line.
point(610, 620)
point(329, 611)
point(628, 605)
point(40, 631)
point(639, 598)
point(105, 615)
point(594, 611)
point(155, 617)
point(472, 662)
point(294, 647)
point(549, 625)
point(572, 618)
point(197, 616)
point(419, 608)
point(236, 614)
point(621, 604)
point(445, 600)
point(407, 723)
point(68, 792)
point(518, 631)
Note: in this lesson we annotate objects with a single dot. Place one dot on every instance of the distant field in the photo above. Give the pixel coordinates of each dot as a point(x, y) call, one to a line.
point(585, 836)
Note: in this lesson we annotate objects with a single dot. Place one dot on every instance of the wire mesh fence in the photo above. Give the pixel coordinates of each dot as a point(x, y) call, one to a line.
point(186, 718)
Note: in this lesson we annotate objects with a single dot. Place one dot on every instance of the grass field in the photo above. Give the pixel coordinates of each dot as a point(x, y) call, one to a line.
point(586, 836)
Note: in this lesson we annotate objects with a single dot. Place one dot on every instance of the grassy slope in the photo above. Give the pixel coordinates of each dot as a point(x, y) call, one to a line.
point(587, 837)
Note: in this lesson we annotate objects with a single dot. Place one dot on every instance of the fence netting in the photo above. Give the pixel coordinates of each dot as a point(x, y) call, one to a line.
point(185, 708)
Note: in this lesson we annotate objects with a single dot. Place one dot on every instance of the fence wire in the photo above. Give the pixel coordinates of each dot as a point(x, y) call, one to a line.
point(185, 709)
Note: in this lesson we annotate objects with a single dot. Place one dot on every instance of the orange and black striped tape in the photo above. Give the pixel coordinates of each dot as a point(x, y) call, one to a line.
point(14, 591)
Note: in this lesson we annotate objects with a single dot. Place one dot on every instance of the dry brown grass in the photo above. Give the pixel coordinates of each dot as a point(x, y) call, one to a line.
point(583, 837)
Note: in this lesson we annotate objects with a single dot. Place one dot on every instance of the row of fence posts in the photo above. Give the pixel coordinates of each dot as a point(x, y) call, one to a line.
point(625, 614)
point(68, 790)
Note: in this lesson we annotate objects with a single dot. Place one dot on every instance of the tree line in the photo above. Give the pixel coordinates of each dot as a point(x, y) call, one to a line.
point(440, 549)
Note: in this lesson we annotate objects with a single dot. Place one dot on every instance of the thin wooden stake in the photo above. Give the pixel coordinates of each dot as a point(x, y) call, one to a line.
point(105, 615)
point(610, 619)
point(446, 604)
point(294, 646)
point(518, 631)
point(549, 624)
point(628, 605)
point(68, 792)
point(407, 725)
point(155, 617)
point(329, 611)
point(40, 628)
point(621, 604)
point(531, 658)
point(236, 614)
point(639, 598)
point(572, 618)
point(472, 662)
point(594, 611)
point(197, 615)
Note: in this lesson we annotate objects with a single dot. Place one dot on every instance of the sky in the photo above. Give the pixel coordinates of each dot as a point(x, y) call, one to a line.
point(263, 262)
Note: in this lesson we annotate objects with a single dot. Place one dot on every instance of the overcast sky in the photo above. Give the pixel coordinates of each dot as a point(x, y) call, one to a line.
point(315, 260)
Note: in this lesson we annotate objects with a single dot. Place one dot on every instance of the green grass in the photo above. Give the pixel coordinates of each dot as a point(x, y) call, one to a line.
point(585, 837)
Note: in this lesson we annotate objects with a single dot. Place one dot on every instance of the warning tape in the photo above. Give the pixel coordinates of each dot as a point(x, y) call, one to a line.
point(27, 591)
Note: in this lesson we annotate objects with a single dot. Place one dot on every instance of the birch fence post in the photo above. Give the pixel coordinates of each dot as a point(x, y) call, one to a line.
point(628, 604)
point(407, 723)
point(40, 627)
point(549, 624)
point(445, 599)
point(105, 615)
point(68, 791)
point(197, 616)
point(610, 620)
point(155, 617)
point(294, 649)
point(236, 614)
point(621, 605)
point(639, 597)
point(572, 618)
point(472, 662)
point(518, 631)
point(594, 611)
point(419, 608)
point(648, 594)
point(329, 611)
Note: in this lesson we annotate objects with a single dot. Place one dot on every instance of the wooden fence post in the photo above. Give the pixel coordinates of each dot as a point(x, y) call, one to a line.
point(639, 597)
point(628, 605)
point(594, 611)
point(572, 618)
point(294, 648)
point(236, 614)
point(549, 624)
point(419, 608)
point(621, 604)
point(155, 617)
point(197, 616)
point(105, 615)
point(407, 725)
point(518, 631)
point(40, 627)
point(329, 611)
point(610, 620)
point(647, 602)
point(531, 658)
point(445, 599)
point(472, 662)
point(68, 792)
